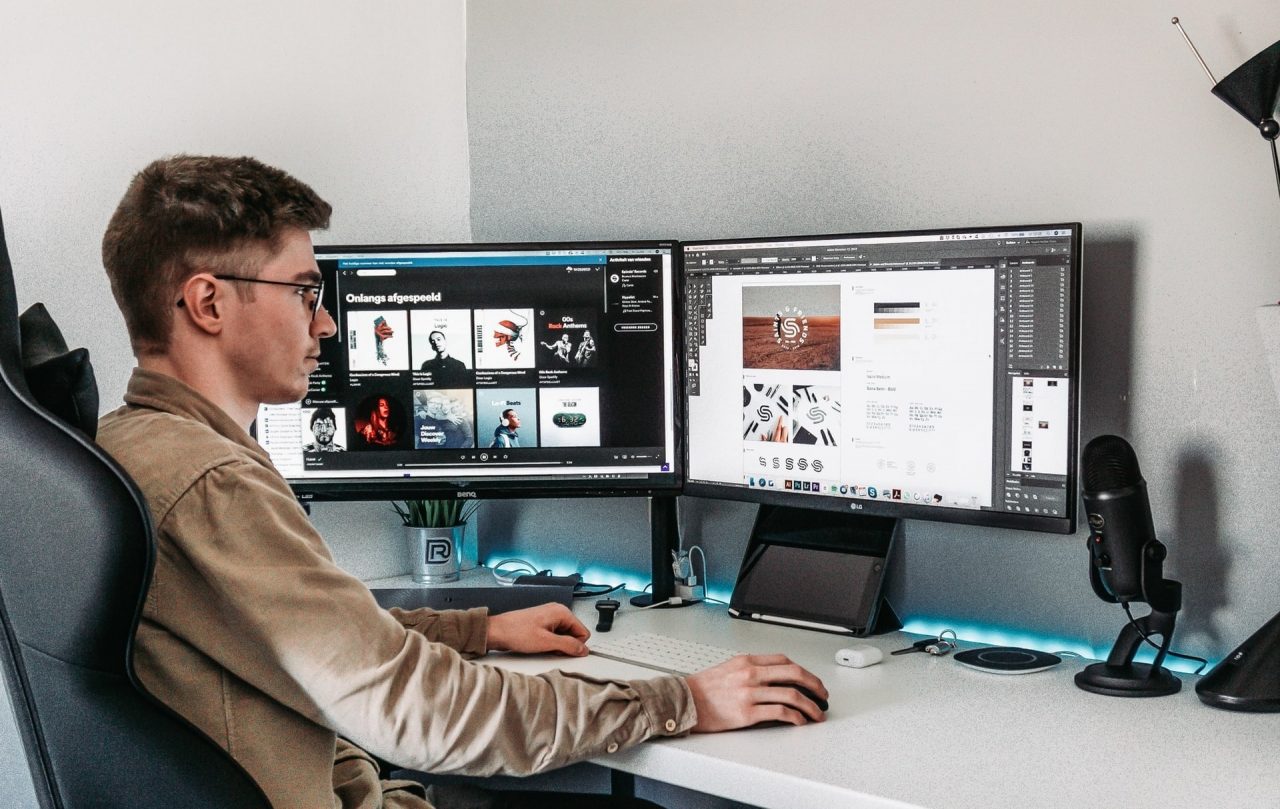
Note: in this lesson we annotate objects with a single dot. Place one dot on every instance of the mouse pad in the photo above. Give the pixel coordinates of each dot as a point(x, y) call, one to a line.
point(1007, 660)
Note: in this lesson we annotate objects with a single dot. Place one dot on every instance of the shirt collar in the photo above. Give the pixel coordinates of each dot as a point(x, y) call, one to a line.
point(168, 394)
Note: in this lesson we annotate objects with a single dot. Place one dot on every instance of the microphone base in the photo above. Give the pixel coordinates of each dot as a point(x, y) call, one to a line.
point(1132, 680)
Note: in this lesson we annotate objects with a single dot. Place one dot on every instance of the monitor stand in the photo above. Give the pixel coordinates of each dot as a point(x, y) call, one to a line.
point(664, 543)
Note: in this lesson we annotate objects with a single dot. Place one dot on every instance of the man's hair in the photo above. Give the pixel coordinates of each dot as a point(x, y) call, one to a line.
point(323, 413)
point(506, 414)
point(187, 214)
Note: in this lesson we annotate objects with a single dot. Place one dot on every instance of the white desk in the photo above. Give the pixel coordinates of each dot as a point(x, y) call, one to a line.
point(922, 731)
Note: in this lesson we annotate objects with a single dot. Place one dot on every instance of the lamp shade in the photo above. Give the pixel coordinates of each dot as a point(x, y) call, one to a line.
point(1252, 88)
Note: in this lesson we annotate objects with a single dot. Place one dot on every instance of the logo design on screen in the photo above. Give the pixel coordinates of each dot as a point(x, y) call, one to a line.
point(790, 328)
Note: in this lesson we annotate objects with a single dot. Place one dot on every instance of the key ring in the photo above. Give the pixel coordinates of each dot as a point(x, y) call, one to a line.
point(943, 645)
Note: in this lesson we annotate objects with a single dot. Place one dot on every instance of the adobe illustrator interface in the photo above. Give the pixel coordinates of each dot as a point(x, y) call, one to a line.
point(929, 370)
point(516, 362)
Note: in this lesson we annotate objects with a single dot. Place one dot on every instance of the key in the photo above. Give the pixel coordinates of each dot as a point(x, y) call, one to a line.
point(918, 646)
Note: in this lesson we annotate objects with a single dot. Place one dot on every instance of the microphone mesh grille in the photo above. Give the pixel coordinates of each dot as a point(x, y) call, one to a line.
point(1109, 463)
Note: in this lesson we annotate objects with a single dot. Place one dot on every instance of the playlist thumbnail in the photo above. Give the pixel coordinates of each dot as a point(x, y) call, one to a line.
point(566, 338)
point(378, 340)
point(327, 427)
point(441, 344)
point(443, 419)
point(503, 338)
point(791, 327)
point(507, 417)
point(569, 417)
point(380, 422)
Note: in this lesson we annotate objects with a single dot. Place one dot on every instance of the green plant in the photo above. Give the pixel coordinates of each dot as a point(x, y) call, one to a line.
point(435, 513)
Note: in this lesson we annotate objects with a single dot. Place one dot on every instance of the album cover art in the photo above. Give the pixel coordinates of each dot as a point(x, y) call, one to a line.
point(569, 417)
point(791, 327)
point(378, 341)
point(504, 338)
point(324, 429)
point(380, 423)
point(443, 419)
point(440, 344)
point(507, 417)
point(566, 338)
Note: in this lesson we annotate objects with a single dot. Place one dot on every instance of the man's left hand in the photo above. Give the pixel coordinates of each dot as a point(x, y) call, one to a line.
point(545, 628)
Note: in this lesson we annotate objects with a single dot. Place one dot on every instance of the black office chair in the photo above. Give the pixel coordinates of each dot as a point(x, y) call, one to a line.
point(76, 553)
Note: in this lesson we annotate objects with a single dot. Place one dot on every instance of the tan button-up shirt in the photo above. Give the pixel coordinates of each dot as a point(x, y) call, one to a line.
point(252, 633)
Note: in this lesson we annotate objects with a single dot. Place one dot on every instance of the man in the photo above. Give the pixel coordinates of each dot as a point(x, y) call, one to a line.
point(586, 352)
point(324, 426)
point(560, 348)
point(505, 435)
point(446, 371)
point(249, 629)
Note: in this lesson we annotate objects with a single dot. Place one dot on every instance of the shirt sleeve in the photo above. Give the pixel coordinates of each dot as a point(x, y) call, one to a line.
point(275, 611)
point(464, 631)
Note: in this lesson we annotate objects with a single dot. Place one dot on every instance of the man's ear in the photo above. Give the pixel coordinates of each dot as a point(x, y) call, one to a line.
point(202, 303)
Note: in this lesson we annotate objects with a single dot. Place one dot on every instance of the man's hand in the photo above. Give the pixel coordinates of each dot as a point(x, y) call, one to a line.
point(754, 688)
point(545, 628)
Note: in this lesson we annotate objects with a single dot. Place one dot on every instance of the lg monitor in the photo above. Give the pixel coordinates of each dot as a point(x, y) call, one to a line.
point(488, 370)
point(924, 374)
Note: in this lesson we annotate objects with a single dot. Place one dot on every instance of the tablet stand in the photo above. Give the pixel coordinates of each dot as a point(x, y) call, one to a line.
point(817, 570)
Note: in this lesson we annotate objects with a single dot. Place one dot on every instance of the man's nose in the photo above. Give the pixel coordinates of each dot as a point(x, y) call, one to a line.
point(323, 324)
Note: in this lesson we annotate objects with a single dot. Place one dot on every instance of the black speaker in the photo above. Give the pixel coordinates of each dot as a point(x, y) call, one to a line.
point(1249, 678)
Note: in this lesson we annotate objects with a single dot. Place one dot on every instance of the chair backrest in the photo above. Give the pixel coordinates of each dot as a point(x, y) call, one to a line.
point(76, 553)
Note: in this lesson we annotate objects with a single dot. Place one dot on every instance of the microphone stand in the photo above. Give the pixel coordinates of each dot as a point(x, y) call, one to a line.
point(1119, 676)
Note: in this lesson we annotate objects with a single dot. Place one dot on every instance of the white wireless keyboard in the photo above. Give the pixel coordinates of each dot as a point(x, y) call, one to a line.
point(660, 652)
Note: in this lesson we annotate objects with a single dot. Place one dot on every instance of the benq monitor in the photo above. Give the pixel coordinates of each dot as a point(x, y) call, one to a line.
point(926, 374)
point(488, 370)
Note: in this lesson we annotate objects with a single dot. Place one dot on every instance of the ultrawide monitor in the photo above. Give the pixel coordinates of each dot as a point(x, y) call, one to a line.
point(493, 370)
point(925, 374)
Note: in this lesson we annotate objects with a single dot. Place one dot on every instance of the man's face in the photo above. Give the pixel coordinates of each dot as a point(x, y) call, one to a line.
point(323, 430)
point(437, 342)
point(513, 418)
point(272, 341)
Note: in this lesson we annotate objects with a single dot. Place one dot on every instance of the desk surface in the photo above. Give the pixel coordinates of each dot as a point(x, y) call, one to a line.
point(926, 731)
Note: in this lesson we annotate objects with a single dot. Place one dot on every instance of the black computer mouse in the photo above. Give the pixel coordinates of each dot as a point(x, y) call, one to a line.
point(817, 700)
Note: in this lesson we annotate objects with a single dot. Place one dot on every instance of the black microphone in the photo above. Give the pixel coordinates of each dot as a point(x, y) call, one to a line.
point(1119, 514)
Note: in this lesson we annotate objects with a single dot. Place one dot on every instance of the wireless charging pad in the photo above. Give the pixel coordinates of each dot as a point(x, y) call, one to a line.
point(1007, 660)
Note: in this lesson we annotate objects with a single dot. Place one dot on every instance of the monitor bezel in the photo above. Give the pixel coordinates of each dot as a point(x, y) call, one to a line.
point(1065, 524)
point(655, 484)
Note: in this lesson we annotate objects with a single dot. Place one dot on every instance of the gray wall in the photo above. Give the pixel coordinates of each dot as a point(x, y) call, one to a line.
point(727, 118)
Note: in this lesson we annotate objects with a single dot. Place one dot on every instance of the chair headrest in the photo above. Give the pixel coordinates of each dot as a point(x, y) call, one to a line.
point(60, 380)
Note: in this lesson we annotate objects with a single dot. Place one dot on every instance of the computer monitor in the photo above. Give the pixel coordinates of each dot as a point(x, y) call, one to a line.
point(924, 374)
point(488, 370)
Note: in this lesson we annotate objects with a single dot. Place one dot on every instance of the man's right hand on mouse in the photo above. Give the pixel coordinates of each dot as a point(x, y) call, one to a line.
point(750, 689)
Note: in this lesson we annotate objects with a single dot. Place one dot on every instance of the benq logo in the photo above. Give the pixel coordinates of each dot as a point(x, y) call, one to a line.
point(439, 551)
point(466, 495)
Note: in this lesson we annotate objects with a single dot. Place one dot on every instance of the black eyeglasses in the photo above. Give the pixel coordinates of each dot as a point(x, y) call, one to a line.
point(310, 293)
